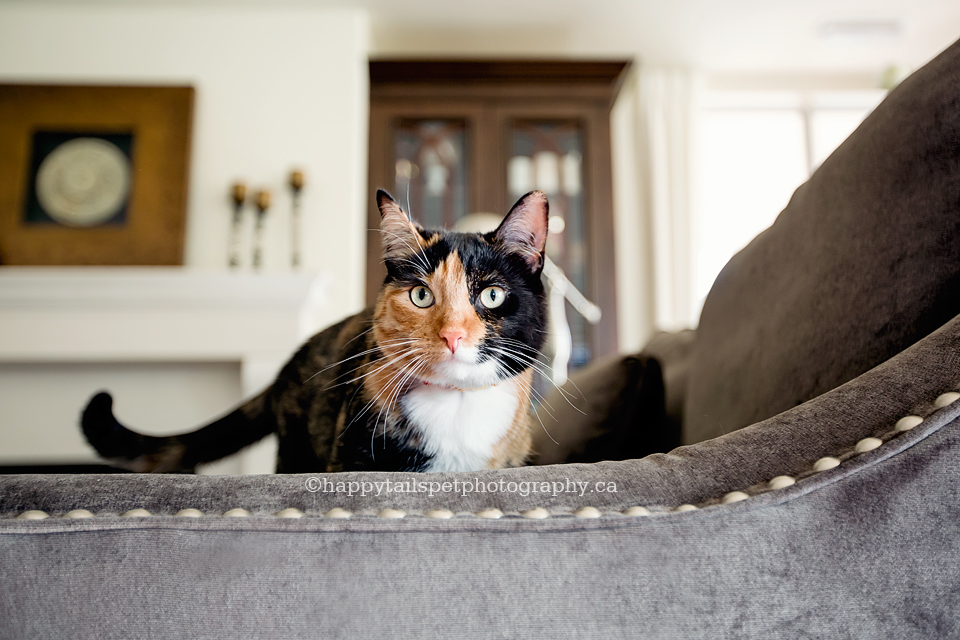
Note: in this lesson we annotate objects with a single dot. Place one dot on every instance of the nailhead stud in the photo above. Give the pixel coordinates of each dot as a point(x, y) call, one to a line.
point(781, 482)
point(33, 514)
point(539, 513)
point(734, 496)
point(136, 513)
point(636, 511)
point(824, 464)
point(78, 514)
point(391, 514)
point(190, 513)
point(337, 512)
point(945, 399)
point(868, 444)
point(907, 423)
point(587, 512)
point(490, 514)
point(440, 514)
point(290, 512)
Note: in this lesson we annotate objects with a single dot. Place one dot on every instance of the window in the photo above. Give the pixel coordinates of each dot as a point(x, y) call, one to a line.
point(755, 149)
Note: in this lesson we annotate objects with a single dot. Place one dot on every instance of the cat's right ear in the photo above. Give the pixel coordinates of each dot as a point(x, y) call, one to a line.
point(398, 235)
point(524, 230)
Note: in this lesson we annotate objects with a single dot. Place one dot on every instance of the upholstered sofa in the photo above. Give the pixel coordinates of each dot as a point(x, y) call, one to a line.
point(817, 493)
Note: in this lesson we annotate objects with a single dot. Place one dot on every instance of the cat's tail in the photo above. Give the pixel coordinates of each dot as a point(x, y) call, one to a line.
point(181, 453)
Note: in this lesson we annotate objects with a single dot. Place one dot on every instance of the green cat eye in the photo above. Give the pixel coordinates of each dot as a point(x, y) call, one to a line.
point(421, 297)
point(492, 297)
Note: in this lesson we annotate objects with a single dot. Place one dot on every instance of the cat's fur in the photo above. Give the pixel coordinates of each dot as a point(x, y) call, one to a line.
point(398, 387)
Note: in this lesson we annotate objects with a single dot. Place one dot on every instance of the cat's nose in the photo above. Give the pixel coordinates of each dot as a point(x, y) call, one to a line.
point(453, 338)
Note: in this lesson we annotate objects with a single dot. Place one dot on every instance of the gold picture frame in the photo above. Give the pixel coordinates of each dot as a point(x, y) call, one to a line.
point(146, 129)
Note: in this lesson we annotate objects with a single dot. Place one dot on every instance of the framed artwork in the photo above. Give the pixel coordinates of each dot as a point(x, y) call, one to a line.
point(93, 175)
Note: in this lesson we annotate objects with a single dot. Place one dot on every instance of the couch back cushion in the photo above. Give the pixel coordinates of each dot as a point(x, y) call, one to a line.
point(863, 262)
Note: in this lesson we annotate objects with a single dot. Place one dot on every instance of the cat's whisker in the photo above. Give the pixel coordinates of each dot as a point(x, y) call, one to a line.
point(360, 355)
point(387, 386)
point(510, 341)
point(539, 397)
point(533, 405)
point(409, 370)
point(538, 366)
point(541, 355)
point(392, 361)
point(542, 426)
point(359, 335)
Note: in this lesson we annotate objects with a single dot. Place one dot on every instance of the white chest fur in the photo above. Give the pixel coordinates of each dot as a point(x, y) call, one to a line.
point(461, 428)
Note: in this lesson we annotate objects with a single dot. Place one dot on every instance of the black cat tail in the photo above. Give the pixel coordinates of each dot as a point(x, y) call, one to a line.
point(181, 453)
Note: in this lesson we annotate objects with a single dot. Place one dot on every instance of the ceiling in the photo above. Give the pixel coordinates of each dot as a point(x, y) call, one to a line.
point(709, 35)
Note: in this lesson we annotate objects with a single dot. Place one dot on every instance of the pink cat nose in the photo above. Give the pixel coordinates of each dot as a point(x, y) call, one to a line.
point(453, 338)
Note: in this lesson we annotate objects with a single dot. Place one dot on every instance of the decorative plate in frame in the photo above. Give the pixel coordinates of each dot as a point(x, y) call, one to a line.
point(93, 174)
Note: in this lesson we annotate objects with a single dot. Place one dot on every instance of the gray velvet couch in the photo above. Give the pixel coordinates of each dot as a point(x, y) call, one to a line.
point(818, 495)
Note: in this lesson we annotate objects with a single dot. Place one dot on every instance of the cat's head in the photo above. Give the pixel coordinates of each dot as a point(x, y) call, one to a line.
point(463, 309)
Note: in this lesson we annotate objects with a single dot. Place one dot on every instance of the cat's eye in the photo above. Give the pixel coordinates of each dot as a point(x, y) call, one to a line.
point(492, 297)
point(421, 297)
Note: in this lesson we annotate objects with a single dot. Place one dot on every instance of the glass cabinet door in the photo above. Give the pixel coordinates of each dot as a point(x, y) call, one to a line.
point(432, 164)
point(548, 155)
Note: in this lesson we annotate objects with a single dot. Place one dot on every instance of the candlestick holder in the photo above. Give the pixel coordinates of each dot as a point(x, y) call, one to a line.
point(296, 186)
point(238, 194)
point(262, 203)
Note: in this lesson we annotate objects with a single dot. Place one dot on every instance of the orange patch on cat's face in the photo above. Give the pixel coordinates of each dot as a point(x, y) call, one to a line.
point(398, 318)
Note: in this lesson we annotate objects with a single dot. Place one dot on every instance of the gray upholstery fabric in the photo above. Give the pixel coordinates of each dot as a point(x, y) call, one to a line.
point(863, 262)
point(868, 548)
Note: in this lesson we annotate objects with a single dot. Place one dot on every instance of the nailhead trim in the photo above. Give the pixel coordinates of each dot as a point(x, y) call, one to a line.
point(905, 423)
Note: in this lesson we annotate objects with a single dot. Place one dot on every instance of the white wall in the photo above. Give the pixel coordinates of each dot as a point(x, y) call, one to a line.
point(276, 88)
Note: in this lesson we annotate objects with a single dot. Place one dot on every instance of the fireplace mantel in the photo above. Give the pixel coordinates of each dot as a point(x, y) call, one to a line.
point(160, 315)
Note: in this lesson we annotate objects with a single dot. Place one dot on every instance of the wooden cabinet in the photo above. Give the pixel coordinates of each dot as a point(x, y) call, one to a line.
point(454, 138)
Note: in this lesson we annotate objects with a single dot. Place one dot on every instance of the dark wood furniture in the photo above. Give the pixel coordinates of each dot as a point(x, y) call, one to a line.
point(460, 137)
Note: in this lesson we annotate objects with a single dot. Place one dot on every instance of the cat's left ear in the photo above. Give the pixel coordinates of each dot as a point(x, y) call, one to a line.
point(524, 230)
point(398, 234)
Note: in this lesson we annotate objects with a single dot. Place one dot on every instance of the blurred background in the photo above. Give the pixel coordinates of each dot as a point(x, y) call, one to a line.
point(667, 134)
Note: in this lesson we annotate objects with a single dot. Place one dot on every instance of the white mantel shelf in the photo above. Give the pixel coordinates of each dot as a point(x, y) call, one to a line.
point(110, 314)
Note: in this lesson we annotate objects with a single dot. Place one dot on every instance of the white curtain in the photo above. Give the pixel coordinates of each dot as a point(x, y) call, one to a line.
point(653, 138)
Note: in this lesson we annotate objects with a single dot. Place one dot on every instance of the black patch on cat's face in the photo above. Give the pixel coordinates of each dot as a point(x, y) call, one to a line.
point(521, 317)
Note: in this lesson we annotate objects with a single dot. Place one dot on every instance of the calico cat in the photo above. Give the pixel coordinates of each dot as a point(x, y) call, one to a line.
point(436, 377)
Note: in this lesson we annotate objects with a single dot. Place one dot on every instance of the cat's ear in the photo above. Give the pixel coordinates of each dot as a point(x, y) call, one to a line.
point(524, 230)
point(398, 234)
